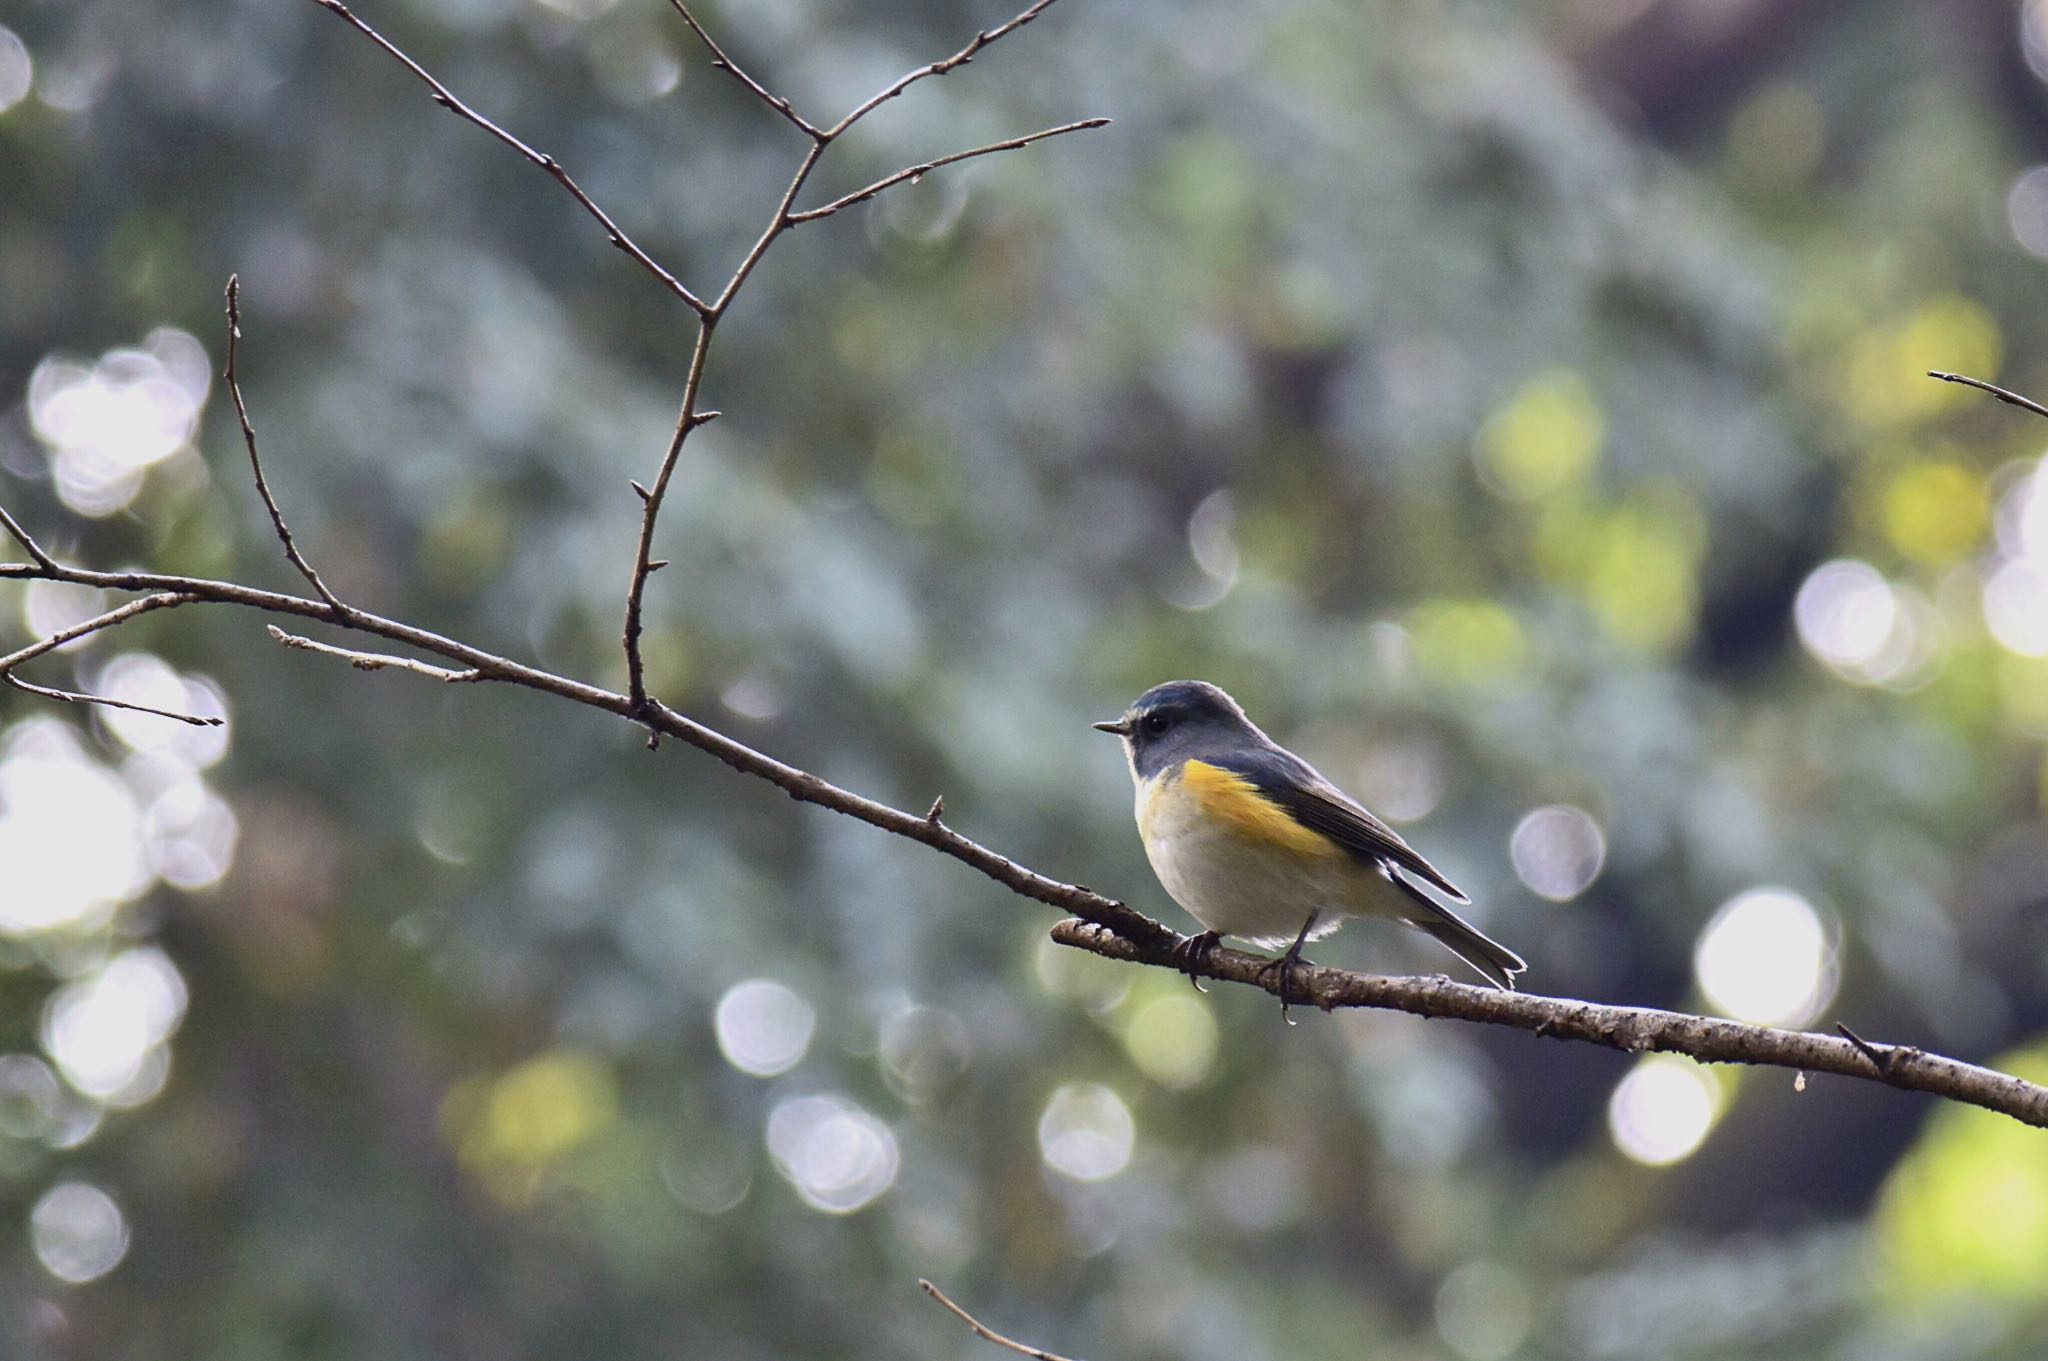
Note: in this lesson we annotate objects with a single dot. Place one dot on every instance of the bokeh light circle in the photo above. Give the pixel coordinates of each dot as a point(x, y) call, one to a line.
point(79, 1232)
point(763, 1027)
point(1086, 1132)
point(836, 1155)
point(1763, 957)
point(1662, 1111)
point(1557, 851)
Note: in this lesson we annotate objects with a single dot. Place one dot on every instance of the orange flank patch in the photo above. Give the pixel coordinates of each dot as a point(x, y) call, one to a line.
point(1232, 799)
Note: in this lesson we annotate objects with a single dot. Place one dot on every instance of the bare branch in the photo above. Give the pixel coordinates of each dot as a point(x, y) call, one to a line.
point(798, 784)
point(106, 702)
point(376, 661)
point(982, 1330)
point(938, 68)
point(22, 537)
point(111, 619)
point(1111, 929)
point(725, 63)
point(1632, 1030)
point(2025, 403)
point(651, 499)
point(913, 173)
point(447, 100)
point(291, 549)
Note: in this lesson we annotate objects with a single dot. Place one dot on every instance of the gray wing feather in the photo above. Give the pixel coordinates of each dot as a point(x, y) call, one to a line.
point(1315, 803)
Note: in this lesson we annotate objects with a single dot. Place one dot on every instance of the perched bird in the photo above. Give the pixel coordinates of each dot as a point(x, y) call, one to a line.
point(1254, 843)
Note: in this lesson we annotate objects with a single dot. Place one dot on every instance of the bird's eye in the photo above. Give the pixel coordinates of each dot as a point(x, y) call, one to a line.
point(1156, 724)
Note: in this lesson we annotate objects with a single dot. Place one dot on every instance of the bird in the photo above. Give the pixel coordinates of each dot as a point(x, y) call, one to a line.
point(1253, 842)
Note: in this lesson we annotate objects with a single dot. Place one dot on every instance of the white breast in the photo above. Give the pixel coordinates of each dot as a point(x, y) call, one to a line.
point(1236, 886)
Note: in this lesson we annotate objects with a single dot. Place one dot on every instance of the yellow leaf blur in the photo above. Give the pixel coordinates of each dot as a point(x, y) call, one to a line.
point(1965, 1214)
point(1546, 438)
point(1935, 512)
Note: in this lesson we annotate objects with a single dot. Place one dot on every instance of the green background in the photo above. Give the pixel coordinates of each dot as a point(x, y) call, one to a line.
point(1470, 388)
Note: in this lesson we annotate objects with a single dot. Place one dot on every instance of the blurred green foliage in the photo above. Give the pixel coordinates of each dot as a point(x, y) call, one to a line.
point(1479, 392)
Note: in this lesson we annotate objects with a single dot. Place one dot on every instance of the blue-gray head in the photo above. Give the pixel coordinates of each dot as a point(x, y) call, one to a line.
point(1179, 719)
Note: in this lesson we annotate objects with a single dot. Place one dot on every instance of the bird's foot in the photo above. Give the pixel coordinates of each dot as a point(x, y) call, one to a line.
point(1192, 953)
point(1286, 966)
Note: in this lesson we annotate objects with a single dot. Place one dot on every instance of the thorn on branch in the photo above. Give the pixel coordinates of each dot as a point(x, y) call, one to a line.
point(656, 565)
point(938, 810)
point(640, 491)
point(1878, 1059)
point(704, 418)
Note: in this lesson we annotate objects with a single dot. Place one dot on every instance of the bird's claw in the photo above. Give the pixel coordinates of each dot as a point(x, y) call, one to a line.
point(1191, 953)
point(1286, 965)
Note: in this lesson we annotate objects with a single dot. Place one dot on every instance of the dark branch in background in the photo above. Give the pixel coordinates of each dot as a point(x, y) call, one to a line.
point(447, 100)
point(1633, 1030)
point(783, 218)
point(913, 173)
point(727, 64)
point(937, 68)
point(982, 1330)
point(1107, 927)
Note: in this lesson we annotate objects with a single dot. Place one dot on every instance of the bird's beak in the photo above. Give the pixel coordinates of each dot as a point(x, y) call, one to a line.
point(1121, 727)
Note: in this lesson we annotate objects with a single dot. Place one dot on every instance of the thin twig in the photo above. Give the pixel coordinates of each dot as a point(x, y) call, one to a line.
point(447, 100)
point(914, 173)
point(982, 1330)
point(727, 64)
point(2026, 403)
point(291, 549)
point(650, 507)
point(113, 618)
point(1632, 1030)
point(937, 68)
point(107, 702)
point(22, 537)
point(376, 661)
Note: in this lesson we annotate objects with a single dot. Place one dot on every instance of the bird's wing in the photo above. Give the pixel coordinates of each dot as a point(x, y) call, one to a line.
point(1315, 803)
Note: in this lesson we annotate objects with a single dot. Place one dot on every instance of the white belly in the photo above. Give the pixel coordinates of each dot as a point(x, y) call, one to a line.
point(1237, 886)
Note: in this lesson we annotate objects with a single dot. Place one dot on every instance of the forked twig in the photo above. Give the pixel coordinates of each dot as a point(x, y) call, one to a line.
point(785, 216)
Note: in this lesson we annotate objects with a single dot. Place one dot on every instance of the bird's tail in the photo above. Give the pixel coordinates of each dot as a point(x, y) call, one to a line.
point(1494, 961)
